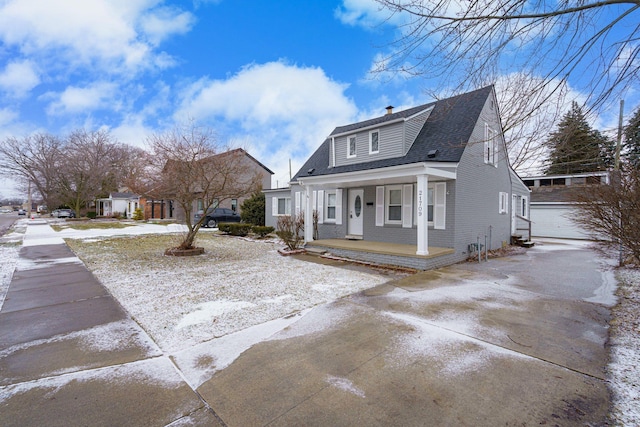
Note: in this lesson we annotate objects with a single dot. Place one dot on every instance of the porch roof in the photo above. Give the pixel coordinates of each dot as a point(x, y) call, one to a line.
point(383, 248)
point(390, 175)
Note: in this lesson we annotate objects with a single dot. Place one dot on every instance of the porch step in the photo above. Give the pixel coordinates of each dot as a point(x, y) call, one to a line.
point(352, 237)
point(315, 251)
point(519, 240)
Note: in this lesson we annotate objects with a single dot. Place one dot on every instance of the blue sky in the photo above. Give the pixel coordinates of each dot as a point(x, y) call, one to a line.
point(274, 77)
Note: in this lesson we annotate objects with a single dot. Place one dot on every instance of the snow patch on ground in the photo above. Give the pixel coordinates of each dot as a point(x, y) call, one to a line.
point(158, 371)
point(183, 302)
point(8, 261)
point(346, 385)
point(463, 353)
point(208, 311)
point(25, 264)
point(200, 362)
point(623, 372)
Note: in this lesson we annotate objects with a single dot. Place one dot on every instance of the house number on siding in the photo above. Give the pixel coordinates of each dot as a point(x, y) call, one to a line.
point(420, 203)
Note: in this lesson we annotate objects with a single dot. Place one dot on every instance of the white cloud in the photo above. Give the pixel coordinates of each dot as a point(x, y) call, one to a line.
point(76, 99)
point(18, 78)
point(277, 111)
point(165, 22)
point(117, 35)
point(364, 13)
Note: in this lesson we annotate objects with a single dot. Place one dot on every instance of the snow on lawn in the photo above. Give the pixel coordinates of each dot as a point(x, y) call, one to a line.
point(624, 375)
point(236, 284)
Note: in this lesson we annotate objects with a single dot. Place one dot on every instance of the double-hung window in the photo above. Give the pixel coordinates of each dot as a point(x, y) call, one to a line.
point(283, 205)
point(374, 142)
point(394, 204)
point(331, 207)
point(351, 146)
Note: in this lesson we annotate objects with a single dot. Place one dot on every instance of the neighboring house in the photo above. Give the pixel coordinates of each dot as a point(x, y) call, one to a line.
point(418, 188)
point(124, 204)
point(170, 209)
point(552, 206)
point(251, 167)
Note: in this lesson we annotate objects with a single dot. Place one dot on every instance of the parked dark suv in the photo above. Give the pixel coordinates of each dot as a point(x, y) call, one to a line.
point(218, 215)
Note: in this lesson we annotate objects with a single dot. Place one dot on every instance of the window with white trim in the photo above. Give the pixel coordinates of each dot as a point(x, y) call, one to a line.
point(351, 146)
point(430, 205)
point(284, 206)
point(374, 142)
point(393, 208)
point(490, 145)
point(524, 212)
point(331, 207)
point(503, 203)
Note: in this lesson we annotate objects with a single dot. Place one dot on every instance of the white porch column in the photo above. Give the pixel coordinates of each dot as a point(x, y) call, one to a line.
point(423, 220)
point(308, 213)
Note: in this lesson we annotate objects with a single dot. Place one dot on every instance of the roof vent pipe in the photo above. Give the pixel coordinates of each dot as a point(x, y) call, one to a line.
point(390, 109)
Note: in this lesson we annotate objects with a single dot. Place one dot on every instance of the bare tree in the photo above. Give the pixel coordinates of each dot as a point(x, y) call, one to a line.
point(611, 213)
point(186, 164)
point(469, 44)
point(36, 159)
point(94, 164)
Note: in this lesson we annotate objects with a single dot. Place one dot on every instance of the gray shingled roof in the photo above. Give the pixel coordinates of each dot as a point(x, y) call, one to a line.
point(447, 130)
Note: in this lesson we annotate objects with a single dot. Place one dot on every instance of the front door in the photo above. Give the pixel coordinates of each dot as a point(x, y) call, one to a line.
point(356, 212)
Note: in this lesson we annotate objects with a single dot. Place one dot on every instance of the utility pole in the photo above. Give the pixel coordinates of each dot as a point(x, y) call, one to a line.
point(619, 142)
point(617, 181)
point(29, 200)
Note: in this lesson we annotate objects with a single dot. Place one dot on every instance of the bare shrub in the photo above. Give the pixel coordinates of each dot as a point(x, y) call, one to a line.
point(291, 230)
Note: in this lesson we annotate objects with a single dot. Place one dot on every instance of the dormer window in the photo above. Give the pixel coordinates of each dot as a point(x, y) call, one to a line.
point(374, 142)
point(351, 149)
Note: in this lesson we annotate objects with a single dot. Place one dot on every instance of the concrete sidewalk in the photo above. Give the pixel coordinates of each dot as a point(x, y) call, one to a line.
point(516, 341)
point(70, 355)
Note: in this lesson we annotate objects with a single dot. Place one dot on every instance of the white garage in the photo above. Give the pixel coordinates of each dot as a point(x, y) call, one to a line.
point(554, 220)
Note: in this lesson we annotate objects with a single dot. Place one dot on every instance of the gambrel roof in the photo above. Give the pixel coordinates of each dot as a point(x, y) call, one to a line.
point(447, 130)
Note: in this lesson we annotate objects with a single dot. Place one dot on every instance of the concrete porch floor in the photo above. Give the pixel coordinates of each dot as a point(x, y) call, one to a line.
point(383, 248)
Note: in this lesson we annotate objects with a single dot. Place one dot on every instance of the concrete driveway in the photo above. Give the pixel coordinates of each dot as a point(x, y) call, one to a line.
point(516, 341)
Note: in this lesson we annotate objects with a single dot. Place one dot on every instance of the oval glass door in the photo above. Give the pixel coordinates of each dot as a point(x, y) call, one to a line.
point(357, 206)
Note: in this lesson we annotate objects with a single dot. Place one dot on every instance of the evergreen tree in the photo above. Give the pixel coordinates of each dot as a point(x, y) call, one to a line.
point(253, 209)
point(632, 140)
point(575, 147)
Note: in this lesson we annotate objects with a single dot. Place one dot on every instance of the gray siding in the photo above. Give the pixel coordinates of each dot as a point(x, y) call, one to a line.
point(390, 145)
point(412, 129)
point(477, 189)
point(269, 219)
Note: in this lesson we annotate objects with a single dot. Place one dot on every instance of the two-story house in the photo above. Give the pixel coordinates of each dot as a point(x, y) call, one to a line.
point(419, 188)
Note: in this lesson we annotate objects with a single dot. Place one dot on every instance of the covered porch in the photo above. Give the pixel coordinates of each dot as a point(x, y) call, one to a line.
point(411, 209)
point(384, 253)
